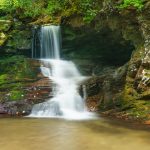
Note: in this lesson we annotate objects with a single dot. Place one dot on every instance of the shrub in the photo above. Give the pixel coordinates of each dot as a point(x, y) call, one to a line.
point(138, 4)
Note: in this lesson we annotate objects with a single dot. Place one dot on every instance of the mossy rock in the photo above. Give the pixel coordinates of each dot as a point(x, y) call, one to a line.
point(3, 38)
point(16, 68)
point(15, 73)
point(5, 25)
point(15, 95)
point(19, 39)
point(43, 20)
point(3, 78)
point(140, 109)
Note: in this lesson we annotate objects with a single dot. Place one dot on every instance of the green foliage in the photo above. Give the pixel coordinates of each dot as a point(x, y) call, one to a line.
point(88, 9)
point(53, 6)
point(17, 67)
point(3, 78)
point(16, 95)
point(14, 71)
point(27, 8)
point(138, 4)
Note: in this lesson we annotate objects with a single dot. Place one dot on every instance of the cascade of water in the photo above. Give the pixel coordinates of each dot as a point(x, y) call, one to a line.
point(50, 42)
point(66, 101)
point(49, 38)
point(34, 43)
point(84, 92)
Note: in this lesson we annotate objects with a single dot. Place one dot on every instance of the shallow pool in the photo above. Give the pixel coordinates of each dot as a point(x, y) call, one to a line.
point(57, 134)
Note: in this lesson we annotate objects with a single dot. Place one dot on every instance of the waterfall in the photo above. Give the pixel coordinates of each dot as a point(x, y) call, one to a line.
point(49, 38)
point(50, 42)
point(66, 102)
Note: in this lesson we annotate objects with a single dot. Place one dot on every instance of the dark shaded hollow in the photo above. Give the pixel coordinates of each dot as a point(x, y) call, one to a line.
point(106, 46)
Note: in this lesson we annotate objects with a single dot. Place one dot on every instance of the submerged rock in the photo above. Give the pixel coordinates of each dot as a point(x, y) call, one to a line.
point(16, 108)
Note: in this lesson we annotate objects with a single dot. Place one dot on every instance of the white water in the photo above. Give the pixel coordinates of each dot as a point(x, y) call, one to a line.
point(66, 101)
point(50, 42)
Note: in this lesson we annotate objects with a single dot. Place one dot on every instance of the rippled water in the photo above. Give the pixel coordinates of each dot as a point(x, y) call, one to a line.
point(55, 134)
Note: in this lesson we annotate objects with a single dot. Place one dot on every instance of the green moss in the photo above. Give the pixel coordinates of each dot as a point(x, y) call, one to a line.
point(19, 39)
point(5, 25)
point(130, 103)
point(138, 4)
point(140, 109)
point(87, 9)
point(9, 85)
point(14, 72)
point(17, 67)
point(16, 95)
point(3, 78)
point(147, 73)
point(3, 38)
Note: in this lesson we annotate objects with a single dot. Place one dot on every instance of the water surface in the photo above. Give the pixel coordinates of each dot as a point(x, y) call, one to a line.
point(56, 134)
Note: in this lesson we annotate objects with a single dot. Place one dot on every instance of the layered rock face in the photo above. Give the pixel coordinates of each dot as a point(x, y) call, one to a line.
point(15, 37)
point(125, 92)
point(22, 85)
point(114, 49)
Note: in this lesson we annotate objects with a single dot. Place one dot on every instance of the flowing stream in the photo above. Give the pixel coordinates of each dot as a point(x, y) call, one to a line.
point(66, 102)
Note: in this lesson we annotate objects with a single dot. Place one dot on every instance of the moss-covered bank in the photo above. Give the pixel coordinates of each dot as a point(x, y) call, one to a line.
point(21, 85)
